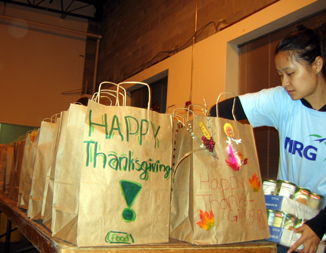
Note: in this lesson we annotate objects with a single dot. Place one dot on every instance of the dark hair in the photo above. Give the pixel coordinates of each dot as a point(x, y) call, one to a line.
point(306, 43)
point(83, 100)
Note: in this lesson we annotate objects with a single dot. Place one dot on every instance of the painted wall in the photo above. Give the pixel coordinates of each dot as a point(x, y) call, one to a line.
point(38, 64)
point(215, 59)
point(11, 133)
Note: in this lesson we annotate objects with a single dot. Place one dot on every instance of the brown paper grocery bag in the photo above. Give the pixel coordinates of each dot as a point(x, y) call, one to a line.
point(58, 166)
point(10, 165)
point(27, 170)
point(18, 167)
point(67, 176)
point(125, 181)
point(44, 154)
point(30, 136)
point(11, 187)
point(180, 200)
point(67, 180)
point(3, 166)
point(221, 200)
point(49, 182)
point(13, 171)
point(27, 147)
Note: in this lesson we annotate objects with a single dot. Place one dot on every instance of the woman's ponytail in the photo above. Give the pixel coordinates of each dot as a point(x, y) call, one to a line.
point(306, 43)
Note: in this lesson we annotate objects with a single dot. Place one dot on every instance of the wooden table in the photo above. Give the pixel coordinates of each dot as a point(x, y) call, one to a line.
point(42, 239)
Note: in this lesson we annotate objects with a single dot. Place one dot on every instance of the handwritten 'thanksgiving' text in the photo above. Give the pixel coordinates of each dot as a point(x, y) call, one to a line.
point(231, 197)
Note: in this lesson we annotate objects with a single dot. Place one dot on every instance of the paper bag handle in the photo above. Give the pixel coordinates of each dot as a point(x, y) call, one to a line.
point(124, 94)
point(133, 82)
point(233, 106)
point(180, 117)
point(96, 97)
point(107, 97)
point(28, 132)
point(184, 157)
point(55, 117)
point(47, 119)
point(20, 138)
point(189, 110)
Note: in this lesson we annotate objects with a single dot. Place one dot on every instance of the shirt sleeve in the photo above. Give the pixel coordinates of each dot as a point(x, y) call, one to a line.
point(318, 223)
point(264, 108)
point(225, 109)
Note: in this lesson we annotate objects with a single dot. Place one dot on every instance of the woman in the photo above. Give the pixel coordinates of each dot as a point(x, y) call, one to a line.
point(298, 111)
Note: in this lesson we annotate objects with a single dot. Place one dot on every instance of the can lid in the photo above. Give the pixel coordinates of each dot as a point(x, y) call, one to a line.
point(288, 215)
point(280, 213)
point(284, 181)
point(316, 196)
point(303, 191)
point(269, 180)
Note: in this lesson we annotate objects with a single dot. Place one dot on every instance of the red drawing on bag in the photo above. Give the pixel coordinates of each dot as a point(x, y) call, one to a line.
point(261, 221)
point(207, 137)
point(207, 220)
point(254, 183)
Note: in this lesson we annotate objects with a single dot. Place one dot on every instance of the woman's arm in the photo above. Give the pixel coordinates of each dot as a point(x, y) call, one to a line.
point(225, 109)
point(312, 232)
point(318, 223)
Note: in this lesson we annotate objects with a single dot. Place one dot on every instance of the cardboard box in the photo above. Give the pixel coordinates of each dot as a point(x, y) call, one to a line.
point(290, 206)
point(287, 237)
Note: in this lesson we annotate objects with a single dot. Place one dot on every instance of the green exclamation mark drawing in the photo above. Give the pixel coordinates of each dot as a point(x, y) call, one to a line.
point(130, 191)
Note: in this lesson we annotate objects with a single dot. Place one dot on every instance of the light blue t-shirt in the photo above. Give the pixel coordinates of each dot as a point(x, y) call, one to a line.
point(302, 133)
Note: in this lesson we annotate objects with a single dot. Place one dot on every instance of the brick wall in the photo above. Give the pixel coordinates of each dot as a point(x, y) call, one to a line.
point(138, 34)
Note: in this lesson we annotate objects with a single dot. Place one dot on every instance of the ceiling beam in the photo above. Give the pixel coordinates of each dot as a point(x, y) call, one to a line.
point(63, 13)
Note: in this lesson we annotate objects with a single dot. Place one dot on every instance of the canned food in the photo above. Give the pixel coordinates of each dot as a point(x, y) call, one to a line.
point(269, 186)
point(299, 222)
point(315, 200)
point(279, 219)
point(270, 217)
point(289, 221)
point(302, 195)
point(285, 188)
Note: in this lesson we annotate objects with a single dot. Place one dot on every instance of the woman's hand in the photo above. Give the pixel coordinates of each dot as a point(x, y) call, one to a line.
point(308, 238)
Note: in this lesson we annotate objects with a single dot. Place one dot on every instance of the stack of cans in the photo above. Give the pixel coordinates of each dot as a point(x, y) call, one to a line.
point(292, 191)
point(288, 189)
point(282, 219)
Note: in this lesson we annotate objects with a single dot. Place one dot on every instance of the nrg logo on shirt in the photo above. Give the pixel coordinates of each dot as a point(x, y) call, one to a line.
point(295, 147)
